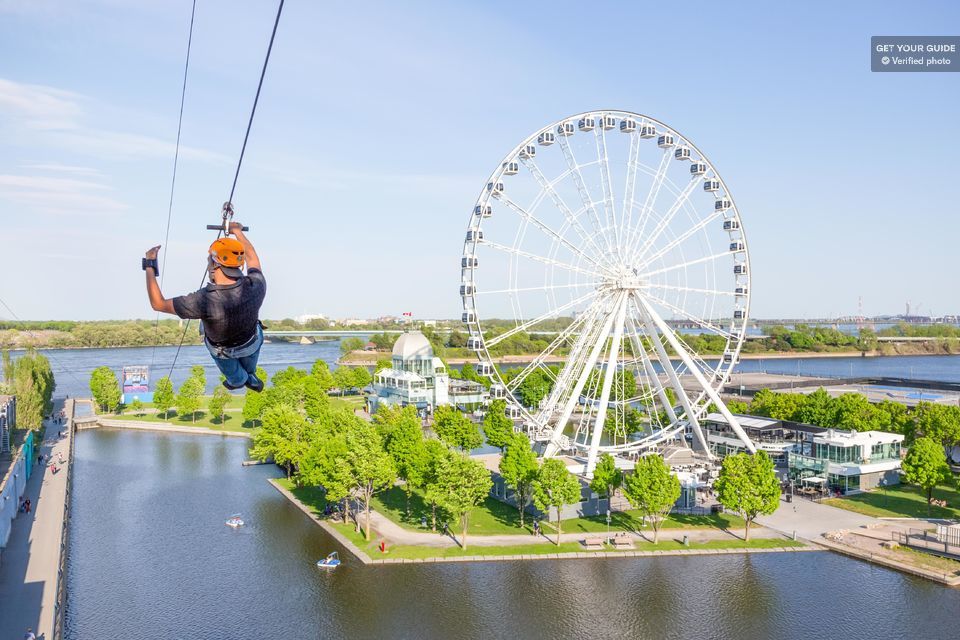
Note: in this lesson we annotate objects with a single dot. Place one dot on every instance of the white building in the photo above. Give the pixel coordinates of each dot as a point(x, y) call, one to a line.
point(417, 377)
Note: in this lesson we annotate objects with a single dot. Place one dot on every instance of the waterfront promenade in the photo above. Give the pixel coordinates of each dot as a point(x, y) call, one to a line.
point(30, 562)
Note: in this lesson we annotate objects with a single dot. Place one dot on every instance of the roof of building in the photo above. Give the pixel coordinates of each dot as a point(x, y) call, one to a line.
point(839, 438)
point(751, 422)
point(412, 345)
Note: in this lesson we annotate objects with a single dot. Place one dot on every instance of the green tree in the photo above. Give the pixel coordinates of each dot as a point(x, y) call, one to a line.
point(343, 378)
point(324, 464)
point(218, 403)
point(429, 472)
point(606, 477)
point(253, 407)
point(738, 407)
point(748, 485)
point(938, 422)
point(462, 484)
point(852, 411)
point(315, 400)
point(403, 439)
point(197, 371)
point(456, 429)
point(519, 467)
point(136, 406)
point(105, 388)
point(653, 490)
point(283, 437)
point(371, 467)
point(163, 399)
point(382, 363)
point(321, 371)
point(348, 345)
point(555, 487)
point(361, 377)
point(497, 427)
point(188, 398)
point(816, 409)
point(925, 465)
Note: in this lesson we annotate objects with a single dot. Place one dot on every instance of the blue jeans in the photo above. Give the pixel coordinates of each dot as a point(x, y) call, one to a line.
point(238, 364)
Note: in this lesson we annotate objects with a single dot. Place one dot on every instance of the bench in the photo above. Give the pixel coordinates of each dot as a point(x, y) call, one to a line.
point(622, 541)
point(593, 544)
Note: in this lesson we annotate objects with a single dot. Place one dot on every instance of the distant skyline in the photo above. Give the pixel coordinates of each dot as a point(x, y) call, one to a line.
point(378, 126)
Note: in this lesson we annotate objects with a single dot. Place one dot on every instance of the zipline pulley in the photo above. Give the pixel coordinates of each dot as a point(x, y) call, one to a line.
point(224, 226)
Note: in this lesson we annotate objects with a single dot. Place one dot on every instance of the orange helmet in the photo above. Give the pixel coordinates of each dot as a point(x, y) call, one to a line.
point(227, 252)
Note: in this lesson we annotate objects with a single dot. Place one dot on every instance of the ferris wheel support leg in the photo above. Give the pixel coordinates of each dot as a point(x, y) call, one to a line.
point(674, 379)
point(554, 445)
point(652, 375)
point(698, 375)
point(615, 348)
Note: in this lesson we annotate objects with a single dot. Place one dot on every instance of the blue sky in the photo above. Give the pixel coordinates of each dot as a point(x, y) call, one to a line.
point(379, 124)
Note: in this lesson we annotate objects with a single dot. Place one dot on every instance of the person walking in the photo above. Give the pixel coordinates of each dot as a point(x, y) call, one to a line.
point(29, 635)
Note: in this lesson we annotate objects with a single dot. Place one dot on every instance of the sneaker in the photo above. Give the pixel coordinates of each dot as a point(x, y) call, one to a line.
point(254, 384)
point(224, 383)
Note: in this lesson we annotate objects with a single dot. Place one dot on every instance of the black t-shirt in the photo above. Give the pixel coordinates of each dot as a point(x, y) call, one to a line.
point(228, 311)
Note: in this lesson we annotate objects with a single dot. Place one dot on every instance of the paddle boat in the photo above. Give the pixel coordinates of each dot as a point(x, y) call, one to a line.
point(332, 561)
point(235, 521)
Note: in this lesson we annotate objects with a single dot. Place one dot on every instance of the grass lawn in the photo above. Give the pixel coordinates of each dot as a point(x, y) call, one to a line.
point(901, 501)
point(633, 521)
point(401, 551)
point(928, 560)
point(233, 420)
point(489, 518)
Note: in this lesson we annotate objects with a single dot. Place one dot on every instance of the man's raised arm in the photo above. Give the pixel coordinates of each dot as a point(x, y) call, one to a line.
point(249, 253)
point(157, 301)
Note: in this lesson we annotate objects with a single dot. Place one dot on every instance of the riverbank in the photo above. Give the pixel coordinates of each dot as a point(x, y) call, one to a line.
point(441, 548)
point(162, 427)
point(32, 567)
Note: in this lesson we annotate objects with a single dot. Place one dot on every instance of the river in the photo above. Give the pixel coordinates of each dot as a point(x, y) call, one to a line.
point(150, 557)
point(72, 367)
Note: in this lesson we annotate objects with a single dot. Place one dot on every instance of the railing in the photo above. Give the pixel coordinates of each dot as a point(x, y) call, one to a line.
point(927, 540)
point(59, 608)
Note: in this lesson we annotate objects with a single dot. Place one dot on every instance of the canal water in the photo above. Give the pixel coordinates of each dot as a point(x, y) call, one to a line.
point(150, 557)
point(72, 367)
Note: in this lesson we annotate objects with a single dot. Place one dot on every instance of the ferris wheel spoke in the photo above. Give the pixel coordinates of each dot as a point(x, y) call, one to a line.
point(692, 318)
point(675, 208)
point(538, 258)
point(684, 265)
point(550, 287)
point(630, 186)
point(550, 231)
point(678, 240)
point(606, 182)
point(581, 185)
point(562, 337)
point(671, 287)
point(646, 212)
point(561, 204)
point(534, 321)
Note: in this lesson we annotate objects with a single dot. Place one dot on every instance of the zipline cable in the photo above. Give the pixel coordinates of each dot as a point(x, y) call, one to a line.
point(33, 335)
point(173, 180)
point(236, 175)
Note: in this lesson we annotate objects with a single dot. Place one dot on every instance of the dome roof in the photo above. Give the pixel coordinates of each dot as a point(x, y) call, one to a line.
point(412, 345)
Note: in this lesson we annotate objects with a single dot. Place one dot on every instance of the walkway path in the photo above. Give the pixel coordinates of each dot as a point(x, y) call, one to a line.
point(811, 519)
point(31, 559)
point(396, 534)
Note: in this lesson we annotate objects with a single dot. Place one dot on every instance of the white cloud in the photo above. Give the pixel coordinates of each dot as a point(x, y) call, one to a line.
point(54, 167)
point(59, 196)
point(57, 118)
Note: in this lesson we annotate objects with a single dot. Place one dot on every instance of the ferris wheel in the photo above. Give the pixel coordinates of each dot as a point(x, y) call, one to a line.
point(610, 247)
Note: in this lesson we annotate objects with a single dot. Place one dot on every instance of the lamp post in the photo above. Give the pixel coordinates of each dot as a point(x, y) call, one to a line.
point(608, 526)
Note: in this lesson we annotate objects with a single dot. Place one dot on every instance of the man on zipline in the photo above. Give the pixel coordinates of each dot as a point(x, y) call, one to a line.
point(228, 307)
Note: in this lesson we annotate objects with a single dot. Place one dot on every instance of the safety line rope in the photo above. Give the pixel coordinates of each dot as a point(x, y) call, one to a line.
point(243, 149)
